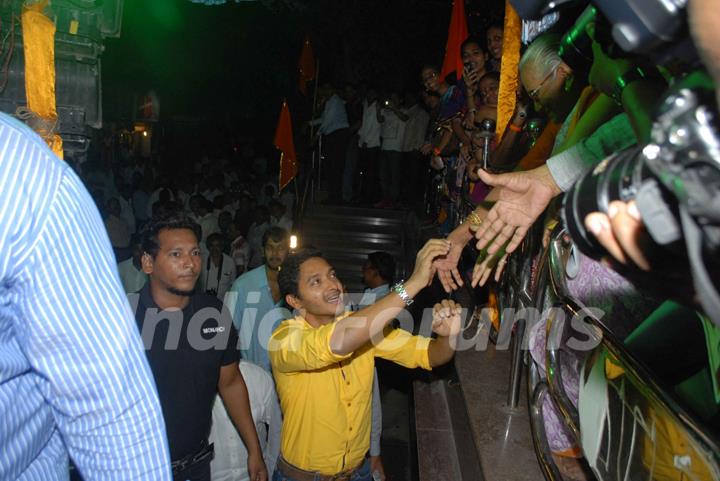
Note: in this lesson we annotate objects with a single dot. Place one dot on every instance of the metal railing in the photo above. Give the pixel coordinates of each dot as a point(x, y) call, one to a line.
point(635, 399)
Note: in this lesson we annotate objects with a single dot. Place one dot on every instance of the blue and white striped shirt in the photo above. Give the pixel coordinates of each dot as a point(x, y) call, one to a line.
point(73, 375)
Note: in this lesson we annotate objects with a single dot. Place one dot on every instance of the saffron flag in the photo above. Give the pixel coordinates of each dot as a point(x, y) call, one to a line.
point(457, 34)
point(285, 144)
point(306, 66)
point(512, 33)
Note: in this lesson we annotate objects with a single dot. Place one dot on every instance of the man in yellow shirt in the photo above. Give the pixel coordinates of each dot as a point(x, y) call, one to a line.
point(323, 362)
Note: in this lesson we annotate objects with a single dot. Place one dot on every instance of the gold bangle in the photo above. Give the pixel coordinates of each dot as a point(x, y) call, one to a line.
point(474, 219)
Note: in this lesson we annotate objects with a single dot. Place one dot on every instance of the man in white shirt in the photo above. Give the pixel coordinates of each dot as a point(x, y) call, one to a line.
point(414, 166)
point(117, 229)
point(278, 216)
point(218, 270)
point(369, 143)
point(130, 270)
point(230, 462)
point(392, 120)
point(334, 130)
point(202, 214)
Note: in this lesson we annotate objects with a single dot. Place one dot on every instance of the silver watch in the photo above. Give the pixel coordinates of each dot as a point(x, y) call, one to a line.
point(399, 289)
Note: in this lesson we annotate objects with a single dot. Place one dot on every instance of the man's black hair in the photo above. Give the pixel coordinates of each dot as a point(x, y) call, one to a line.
point(215, 236)
point(385, 265)
point(276, 234)
point(170, 220)
point(289, 274)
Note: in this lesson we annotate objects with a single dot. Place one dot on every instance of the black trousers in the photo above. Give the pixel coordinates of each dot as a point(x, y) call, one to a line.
point(334, 147)
point(198, 472)
point(368, 165)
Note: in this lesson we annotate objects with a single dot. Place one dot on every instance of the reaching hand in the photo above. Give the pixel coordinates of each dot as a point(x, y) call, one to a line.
point(482, 270)
point(446, 267)
point(605, 70)
point(424, 270)
point(522, 197)
point(447, 318)
point(376, 466)
point(256, 468)
point(635, 256)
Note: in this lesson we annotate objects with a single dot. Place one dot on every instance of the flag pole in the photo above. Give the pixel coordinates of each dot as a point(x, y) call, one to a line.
point(315, 95)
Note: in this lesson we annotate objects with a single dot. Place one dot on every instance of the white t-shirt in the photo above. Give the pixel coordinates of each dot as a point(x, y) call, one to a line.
point(369, 132)
point(230, 462)
point(415, 128)
point(392, 131)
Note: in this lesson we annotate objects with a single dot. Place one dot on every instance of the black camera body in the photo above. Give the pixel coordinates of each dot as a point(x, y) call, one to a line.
point(675, 179)
point(678, 170)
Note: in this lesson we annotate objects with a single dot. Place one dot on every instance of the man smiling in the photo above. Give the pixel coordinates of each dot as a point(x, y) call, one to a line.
point(323, 363)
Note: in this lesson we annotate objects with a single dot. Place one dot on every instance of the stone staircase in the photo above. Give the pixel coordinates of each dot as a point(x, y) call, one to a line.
point(346, 235)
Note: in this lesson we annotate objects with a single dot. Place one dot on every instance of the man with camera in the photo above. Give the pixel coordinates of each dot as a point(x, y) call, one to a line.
point(219, 268)
point(392, 119)
point(190, 344)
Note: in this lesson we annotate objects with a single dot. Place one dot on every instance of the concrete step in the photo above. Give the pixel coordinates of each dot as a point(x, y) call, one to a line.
point(502, 435)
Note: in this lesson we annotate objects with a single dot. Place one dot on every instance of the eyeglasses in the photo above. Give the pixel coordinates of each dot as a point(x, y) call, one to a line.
point(533, 94)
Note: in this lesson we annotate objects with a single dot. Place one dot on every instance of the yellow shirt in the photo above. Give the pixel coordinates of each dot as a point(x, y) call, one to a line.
point(326, 398)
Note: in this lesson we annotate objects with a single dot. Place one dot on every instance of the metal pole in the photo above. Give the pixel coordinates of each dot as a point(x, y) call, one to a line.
point(516, 364)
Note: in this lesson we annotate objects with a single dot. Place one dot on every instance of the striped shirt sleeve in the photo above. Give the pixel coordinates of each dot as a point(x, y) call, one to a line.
point(72, 321)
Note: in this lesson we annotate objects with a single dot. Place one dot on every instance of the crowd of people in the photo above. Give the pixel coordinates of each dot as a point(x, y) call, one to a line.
point(163, 329)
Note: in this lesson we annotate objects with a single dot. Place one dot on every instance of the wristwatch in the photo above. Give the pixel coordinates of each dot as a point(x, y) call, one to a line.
point(626, 79)
point(399, 289)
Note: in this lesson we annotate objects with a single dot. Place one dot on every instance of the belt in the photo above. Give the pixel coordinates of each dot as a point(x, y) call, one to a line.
point(298, 474)
point(206, 451)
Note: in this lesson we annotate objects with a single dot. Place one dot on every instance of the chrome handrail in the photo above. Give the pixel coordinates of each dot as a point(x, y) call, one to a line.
point(568, 411)
point(631, 364)
point(537, 389)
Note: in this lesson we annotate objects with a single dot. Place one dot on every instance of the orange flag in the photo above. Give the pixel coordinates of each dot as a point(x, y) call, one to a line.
point(457, 34)
point(512, 33)
point(284, 143)
point(306, 66)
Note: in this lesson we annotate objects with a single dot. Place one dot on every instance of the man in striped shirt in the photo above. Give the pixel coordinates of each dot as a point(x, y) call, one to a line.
point(73, 376)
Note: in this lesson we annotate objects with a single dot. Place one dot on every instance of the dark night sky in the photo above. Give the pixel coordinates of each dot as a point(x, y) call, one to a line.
point(236, 62)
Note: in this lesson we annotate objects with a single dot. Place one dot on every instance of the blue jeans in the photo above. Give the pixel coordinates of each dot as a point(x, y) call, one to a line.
point(362, 474)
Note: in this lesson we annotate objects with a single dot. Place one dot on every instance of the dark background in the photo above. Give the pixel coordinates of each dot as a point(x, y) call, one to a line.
point(229, 66)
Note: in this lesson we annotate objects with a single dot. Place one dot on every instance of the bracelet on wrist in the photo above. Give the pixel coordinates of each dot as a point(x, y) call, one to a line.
point(399, 289)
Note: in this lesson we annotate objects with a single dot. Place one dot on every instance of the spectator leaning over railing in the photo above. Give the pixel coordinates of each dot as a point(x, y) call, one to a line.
point(521, 197)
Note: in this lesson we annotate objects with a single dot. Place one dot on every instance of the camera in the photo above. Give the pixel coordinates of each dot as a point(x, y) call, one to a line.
point(387, 103)
point(675, 182)
point(675, 179)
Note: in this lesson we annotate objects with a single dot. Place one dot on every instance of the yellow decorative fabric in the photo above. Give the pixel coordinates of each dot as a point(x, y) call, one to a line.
point(39, 50)
point(512, 35)
point(326, 398)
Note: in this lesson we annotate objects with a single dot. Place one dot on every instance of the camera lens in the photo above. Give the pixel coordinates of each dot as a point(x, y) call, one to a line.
point(618, 177)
